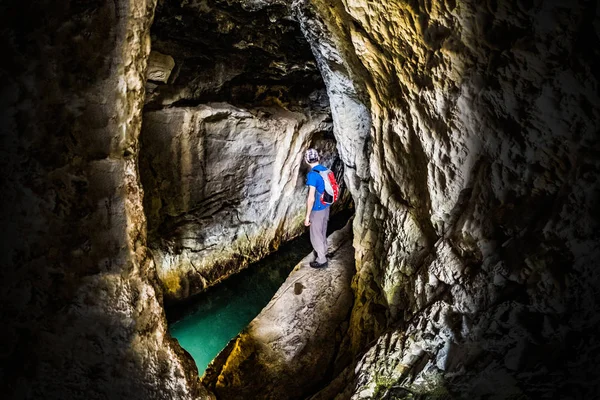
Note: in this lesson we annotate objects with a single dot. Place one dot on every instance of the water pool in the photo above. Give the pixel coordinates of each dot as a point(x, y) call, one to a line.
point(204, 324)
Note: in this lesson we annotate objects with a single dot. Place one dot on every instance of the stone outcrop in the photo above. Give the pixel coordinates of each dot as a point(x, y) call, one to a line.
point(475, 232)
point(292, 344)
point(224, 186)
point(81, 316)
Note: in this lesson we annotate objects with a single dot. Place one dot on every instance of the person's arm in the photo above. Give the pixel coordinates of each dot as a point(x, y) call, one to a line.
point(310, 201)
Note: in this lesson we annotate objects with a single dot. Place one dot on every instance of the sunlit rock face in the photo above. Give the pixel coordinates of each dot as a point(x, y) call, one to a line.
point(233, 98)
point(81, 318)
point(224, 186)
point(476, 186)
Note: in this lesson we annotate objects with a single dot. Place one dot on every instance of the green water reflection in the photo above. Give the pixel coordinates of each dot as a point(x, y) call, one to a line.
point(205, 326)
point(206, 323)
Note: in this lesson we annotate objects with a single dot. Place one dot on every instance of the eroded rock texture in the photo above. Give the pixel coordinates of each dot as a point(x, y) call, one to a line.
point(469, 132)
point(476, 229)
point(469, 135)
point(249, 52)
point(81, 318)
point(224, 187)
point(225, 184)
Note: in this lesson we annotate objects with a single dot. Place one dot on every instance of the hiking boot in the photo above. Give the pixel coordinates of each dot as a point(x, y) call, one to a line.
point(315, 264)
point(328, 255)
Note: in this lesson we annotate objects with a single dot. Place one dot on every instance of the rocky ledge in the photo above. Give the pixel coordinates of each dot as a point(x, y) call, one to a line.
point(293, 343)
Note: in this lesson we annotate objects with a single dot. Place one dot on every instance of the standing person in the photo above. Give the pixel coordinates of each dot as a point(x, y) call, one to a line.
point(317, 213)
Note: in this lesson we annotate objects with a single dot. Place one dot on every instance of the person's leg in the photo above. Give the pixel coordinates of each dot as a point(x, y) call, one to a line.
point(324, 231)
point(317, 219)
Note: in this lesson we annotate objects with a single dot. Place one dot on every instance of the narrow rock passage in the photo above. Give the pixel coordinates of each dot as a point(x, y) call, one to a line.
point(204, 324)
point(292, 344)
point(468, 133)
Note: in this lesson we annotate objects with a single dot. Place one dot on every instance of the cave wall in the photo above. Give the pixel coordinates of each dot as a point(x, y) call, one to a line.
point(233, 98)
point(81, 318)
point(475, 190)
point(469, 135)
point(242, 52)
point(224, 186)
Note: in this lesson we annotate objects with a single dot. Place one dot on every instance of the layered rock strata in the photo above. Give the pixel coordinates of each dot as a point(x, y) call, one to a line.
point(224, 187)
point(292, 344)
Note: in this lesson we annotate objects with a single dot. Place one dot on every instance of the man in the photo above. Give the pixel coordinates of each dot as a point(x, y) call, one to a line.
point(317, 213)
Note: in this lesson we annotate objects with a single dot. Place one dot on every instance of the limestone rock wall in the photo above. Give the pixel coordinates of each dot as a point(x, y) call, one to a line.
point(224, 187)
point(233, 98)
point(475, 186)
point(469, 135)
point(81, 318)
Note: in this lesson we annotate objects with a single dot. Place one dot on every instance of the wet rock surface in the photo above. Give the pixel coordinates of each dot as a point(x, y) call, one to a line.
point(291, 346)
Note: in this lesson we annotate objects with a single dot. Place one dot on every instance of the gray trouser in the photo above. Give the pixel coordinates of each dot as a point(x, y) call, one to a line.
point(318, 233)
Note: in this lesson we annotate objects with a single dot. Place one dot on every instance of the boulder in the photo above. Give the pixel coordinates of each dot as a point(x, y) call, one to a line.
point(159, 67)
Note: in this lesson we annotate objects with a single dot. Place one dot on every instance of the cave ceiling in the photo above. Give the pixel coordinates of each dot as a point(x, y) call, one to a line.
point(238, 52)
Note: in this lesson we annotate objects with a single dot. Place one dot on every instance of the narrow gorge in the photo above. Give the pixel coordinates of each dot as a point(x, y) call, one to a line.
point(153, 149)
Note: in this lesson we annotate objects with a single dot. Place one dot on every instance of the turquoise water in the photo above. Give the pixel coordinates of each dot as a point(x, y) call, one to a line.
point(210, 320)
point(207, 322)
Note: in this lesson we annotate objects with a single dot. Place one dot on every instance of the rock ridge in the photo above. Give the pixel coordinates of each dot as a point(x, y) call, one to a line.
point(293, 343)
